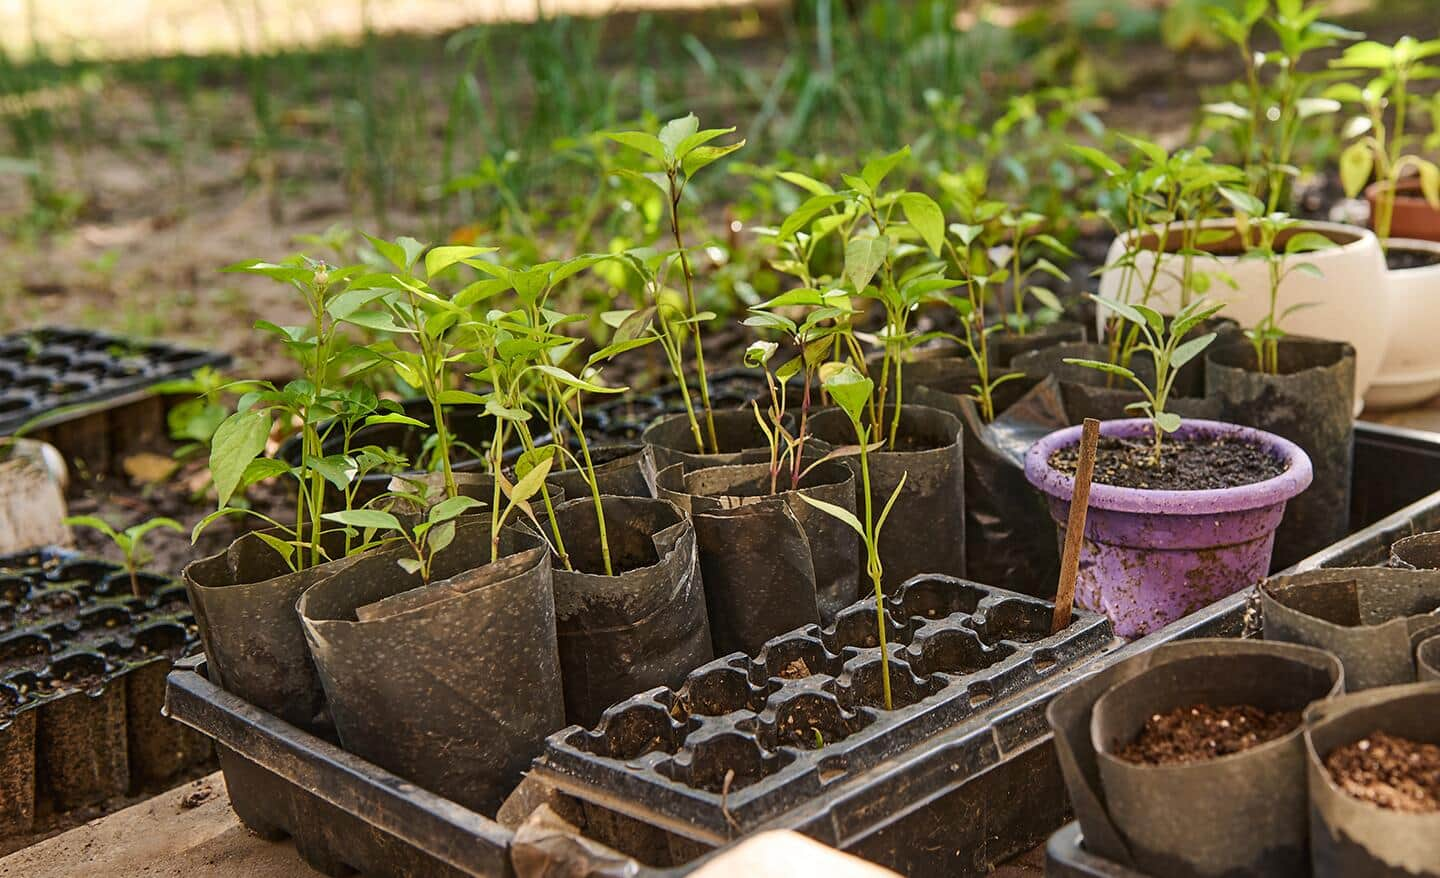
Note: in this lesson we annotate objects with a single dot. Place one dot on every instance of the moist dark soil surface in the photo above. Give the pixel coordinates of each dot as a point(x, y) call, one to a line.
point(1202, 732)
point(1191, 465)
point(1389, 771)
point(1399, 260)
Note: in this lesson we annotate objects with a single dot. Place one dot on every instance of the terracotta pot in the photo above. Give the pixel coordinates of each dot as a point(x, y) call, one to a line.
point(1413, 216)
point(1410, 372)
point(1342, 303)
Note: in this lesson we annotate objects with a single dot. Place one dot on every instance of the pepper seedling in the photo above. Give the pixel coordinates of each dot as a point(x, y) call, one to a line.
point(852, 391)
point(1170, 352)
point(129, 541)
point(681, 150)
point(1268, 233)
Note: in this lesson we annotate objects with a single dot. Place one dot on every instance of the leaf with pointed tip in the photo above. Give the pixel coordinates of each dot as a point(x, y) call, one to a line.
point(889, 504)
point(1168, 422)
point(675, 132)
point(809, 184)
point(864, 257)
point(877, 169)
point(703, 156)
point(441, 258)
point(1356, 163)
point(926, 217)
point(1190, 350)
point(367, 519)
point(640, 141)
point(238, 440)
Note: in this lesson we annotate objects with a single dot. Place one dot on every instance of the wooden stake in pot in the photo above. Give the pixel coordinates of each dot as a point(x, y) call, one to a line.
point(1075, 526)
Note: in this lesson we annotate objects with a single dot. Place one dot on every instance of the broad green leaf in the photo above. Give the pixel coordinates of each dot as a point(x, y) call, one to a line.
point(530, 483)
point(809, 184)
point(806, 213)
point(284, 548)
point(759, 353)
point(1122, 309)
point(396, 418)
point(702, 156)
point(379, 321)
point(1308, 242)
point(876, 170)
point(440, 537)
point(698, 139)
point(238, 440)
point(411, 566)
point(925, 216)
point(92, 521)
point(1430, 183)
point(1168, 422)
point(864, 257)
point(441, 258)
point(144, 527)
point(337, 469)
point(674, 132)
point(368, 519)
point(459, 397)
point(640, 141)
point(1098, 159)
point(452, 507)
point(1243, 201)
point(1356, 163)
point(839, 513)
point(847, 387)
point(1187, 351)
point(569, 380)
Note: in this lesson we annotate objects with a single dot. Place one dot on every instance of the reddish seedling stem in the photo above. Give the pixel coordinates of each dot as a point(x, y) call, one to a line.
point(1075, 526)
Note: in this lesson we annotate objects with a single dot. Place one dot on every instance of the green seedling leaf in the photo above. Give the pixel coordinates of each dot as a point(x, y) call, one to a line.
point(839, 513)
point(337, 469)
point(1356, 164)
point(1190, 350)
point(648, 144)
point(368, 519)
point(806, 213)
point(876, 170)
point(1102, 366)
point(863, 257)
point(926, 217)
point(675, 132)
point(704, 156)
point(441, 258)
point(1169, 422)
point(847, 387)
point(450, 508)
point(238, 440)
point(809, 184)
point(395, 418)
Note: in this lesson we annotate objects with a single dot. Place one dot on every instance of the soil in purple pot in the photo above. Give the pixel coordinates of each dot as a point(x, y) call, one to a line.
point(1389, 771)
point(1202, 732)
point(1397, 259)
point(1191, 465)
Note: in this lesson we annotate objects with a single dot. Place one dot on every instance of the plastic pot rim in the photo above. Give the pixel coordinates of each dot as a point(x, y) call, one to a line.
point(1257, 495)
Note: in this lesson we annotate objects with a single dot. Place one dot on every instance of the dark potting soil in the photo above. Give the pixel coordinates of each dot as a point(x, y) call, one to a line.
point(1190, 465)
point(1400, 260)
point(1389, 771)
point(796, 670)
point(1202, 732)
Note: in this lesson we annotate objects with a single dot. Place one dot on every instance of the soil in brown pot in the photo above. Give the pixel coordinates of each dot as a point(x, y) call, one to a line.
point(1397, 259)
point(1202, 732)
point(1389, 771)
point(1190, 465)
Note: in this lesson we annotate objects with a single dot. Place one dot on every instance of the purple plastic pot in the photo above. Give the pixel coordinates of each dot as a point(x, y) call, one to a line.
point(1150, 557)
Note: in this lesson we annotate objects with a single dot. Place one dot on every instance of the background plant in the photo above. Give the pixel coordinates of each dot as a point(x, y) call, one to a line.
point(1386, 104)
point(1275, 238)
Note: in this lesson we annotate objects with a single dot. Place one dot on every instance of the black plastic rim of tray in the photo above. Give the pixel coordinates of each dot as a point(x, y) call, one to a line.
point(51, 368)
point(808, 712)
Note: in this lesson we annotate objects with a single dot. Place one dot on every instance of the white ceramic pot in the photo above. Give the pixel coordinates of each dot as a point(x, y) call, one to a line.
point(1410, 372)
point(1349, 303)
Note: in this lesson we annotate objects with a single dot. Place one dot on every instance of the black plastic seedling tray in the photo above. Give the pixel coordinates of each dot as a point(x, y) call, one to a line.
point(83, 662)
point(969, 796)
point(746, 739)
point(76, 372)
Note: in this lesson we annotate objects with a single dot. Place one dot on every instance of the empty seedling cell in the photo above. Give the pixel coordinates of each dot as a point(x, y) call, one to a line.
point(719, 691)
point(1014, 619)
point(954, 651)
point(937, 597)
point(632, 730)
point(723, 763)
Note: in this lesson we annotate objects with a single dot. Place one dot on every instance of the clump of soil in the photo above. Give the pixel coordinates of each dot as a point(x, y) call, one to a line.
point(1389, 771)
point(1185, 465)
point(1202, 732)
point(1400, 260)
point(796, 670)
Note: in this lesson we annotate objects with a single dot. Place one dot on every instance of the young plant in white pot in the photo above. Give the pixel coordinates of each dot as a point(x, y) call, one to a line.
point(1268, 117)
point(1404, 204)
